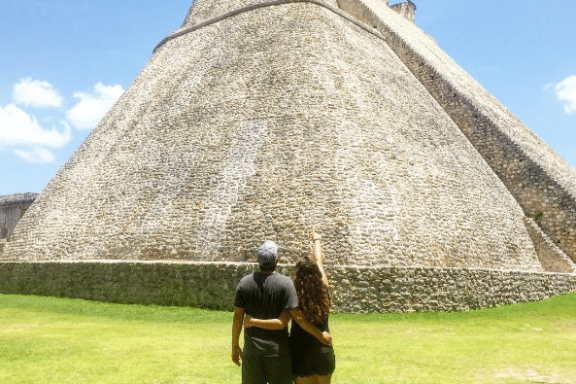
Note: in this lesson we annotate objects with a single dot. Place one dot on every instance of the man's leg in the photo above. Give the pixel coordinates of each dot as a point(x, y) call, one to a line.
point(253, 370)
point(323, 379)
point(278, 370)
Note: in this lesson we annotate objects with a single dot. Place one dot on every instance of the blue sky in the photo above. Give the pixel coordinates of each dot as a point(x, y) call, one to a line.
point(64, 62)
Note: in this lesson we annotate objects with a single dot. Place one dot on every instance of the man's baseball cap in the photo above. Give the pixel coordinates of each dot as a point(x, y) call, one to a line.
point(267, 255)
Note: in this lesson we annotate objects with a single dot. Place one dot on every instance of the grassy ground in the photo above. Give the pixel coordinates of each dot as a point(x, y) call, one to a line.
point(48, 340)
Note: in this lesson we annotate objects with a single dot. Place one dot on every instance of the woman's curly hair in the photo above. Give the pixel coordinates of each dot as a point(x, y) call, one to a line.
point(313, 298)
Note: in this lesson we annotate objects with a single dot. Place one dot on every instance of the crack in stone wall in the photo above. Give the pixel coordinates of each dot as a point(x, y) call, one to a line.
point(228, 186)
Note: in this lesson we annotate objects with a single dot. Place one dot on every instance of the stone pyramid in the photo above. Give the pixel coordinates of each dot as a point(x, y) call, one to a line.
point(263, 119)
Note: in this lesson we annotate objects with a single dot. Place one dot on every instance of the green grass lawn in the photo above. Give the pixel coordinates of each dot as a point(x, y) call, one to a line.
point(48, 340)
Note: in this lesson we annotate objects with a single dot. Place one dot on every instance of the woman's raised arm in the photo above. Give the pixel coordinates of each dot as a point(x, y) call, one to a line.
point(319, 257)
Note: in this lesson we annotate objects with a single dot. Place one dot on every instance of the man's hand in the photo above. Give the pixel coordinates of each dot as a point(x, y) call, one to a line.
point(326, 338)
point(248, 322)
point(237, 355)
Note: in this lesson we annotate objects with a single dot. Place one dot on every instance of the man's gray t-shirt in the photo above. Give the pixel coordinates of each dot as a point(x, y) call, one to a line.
point(265, 296)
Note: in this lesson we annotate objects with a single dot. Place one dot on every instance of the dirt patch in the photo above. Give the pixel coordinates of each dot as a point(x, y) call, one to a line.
point(531, 376)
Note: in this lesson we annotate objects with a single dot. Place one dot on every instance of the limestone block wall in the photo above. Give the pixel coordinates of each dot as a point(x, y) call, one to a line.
point(541, 181)
point(389, 289)
point(262, 126)
point(212, 285)
point(204, 10)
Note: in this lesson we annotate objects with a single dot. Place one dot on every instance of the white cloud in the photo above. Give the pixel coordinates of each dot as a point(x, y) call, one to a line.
point(19, 128)
point(566, 92)
point(93, 106)
point(38, 155)
point(36, 93)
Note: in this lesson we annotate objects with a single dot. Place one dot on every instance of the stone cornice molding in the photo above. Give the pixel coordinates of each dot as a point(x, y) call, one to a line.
point(17, 198)
point(266, 5)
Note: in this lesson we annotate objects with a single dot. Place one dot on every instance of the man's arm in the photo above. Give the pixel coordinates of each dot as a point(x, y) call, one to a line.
point(271, 324)
point(236, 330)
point(324, 337)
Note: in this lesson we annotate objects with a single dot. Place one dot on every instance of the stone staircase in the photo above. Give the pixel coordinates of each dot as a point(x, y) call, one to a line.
point(551, 257)
point(538, 178)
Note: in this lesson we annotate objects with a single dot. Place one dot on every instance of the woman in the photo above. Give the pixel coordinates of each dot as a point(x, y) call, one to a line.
point(312, 361)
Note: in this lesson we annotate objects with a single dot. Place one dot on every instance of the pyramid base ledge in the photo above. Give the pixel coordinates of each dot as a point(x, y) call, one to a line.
point(355, 289)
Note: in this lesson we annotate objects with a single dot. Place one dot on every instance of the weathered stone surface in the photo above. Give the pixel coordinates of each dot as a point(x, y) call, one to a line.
point(551, 257)
point(12, 208)
point(212, 285)
point(263, 119)
point(541, 181)
point(298, 118)
point(407, 10)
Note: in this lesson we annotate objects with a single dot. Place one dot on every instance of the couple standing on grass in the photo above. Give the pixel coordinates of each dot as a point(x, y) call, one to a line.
point(265, 302)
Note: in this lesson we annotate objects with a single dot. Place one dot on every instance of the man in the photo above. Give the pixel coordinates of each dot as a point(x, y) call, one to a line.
point(265, 294)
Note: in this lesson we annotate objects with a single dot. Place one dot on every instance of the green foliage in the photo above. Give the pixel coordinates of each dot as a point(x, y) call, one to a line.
point(51, 340)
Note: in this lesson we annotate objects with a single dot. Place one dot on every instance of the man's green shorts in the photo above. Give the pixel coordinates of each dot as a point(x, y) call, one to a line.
point(263, 370)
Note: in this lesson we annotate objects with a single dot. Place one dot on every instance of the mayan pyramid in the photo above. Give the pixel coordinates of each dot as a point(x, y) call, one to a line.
point(263, 119)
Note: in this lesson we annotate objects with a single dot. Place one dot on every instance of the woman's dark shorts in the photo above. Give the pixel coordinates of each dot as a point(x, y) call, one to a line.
point(320, 364)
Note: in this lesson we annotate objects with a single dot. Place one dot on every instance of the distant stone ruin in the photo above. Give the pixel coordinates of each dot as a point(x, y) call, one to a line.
point(12, 208)
point(406, 10)
point(263, 119)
